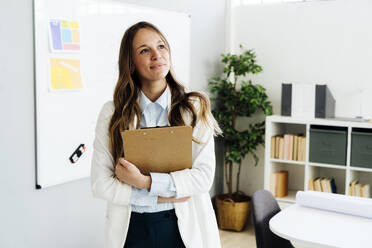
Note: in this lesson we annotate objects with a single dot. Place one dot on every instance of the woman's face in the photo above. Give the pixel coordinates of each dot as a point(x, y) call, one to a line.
point(150, 56)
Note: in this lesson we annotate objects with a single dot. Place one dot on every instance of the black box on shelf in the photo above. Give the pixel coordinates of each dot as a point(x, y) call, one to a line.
point(361, 148)
point(328, 145)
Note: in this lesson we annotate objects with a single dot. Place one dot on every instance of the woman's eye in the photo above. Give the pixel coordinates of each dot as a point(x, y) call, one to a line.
point(144, 51)
point(161, 46)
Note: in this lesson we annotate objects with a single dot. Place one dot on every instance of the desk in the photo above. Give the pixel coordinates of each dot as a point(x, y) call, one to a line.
point(309, 227)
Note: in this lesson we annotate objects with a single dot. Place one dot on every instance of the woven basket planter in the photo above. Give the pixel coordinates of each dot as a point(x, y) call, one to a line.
point(232, 215)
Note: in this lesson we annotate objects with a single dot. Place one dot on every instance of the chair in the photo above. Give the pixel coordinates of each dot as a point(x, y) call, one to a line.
point(264, 206)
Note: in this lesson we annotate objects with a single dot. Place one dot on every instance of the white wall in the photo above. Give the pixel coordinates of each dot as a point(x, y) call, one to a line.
point(67, 215)
point(313, 42)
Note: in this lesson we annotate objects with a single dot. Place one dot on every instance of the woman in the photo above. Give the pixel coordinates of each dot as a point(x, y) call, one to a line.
point(159, 210)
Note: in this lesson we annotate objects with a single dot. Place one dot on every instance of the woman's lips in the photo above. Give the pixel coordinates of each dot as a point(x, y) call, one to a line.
point(156, 66)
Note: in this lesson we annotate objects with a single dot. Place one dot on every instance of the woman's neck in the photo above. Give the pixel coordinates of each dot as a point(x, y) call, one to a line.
point(154, 90)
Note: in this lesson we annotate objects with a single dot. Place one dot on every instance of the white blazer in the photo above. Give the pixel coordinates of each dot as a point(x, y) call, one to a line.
point(196, 218)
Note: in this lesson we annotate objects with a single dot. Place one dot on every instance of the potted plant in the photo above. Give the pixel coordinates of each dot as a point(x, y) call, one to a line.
point(232, 98)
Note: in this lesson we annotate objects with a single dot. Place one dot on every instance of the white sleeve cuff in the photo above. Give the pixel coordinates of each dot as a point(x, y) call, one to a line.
point(162, 184)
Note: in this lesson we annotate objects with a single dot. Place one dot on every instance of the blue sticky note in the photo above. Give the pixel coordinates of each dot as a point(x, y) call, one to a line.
point(66, 35)
point(56, 35)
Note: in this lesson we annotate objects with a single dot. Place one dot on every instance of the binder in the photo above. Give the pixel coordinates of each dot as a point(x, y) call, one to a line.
point(286, 107)
point(303, 100)
point(324, 102)
point(163, 149)
point(307, 101)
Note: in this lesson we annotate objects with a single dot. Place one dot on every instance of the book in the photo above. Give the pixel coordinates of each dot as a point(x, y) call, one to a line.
point(272, 187)
point(281, 148)
point(272, 147)
point(352, 187)
point(301, 148)
point(295, 148)
point(365, 191)
point(358, 189)
point(277, 145)
point(328, 185)
point(281, 188)
point(286, 146)
point(317, 184)
point(333, 185)
point(310, 185)
point(290, 147)
point(324, 185)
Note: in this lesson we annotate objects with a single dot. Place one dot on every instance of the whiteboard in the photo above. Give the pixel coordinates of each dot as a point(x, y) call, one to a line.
point(66, 115)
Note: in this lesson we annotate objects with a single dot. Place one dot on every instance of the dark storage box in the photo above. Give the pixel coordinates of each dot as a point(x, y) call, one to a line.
point(361, 148)
point(328, 145)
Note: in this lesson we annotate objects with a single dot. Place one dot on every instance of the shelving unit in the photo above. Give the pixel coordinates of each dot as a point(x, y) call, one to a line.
point(300, 172)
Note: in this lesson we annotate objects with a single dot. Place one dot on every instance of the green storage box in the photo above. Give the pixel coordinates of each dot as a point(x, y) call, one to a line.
point(328, 145)
point(361, 148)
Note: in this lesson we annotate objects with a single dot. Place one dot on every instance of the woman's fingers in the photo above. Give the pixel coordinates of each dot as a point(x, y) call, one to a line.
point(128, 165)
point(123, 162)
point(129, 173)
point(119, 170)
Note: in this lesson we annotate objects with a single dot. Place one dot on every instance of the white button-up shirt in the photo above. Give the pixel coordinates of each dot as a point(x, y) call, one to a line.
point(154, 114)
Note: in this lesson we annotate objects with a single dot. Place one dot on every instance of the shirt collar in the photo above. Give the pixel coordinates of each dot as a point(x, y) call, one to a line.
point(162, 100)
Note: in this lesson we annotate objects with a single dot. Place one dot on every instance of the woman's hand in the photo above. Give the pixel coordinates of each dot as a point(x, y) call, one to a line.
point(173, 199)
point(128, 173)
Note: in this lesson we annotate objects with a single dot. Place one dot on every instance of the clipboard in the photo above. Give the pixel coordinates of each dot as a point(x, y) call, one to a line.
point(161, 149)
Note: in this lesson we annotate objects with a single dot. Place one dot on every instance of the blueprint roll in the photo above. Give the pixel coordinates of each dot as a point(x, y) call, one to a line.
point(350, 205)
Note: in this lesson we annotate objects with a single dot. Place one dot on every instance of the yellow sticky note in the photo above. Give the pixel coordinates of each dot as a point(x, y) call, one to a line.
point(64, 24)
point(65, 74)
point(74, 24)
point(75, 36)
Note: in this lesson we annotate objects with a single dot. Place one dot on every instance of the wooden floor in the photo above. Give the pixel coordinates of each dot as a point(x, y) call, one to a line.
point(243, 239)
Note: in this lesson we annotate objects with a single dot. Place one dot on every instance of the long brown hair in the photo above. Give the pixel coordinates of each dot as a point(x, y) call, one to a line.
point(128, 89)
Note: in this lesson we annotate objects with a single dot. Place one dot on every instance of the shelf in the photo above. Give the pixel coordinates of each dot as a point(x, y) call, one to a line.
point(360, 169)
point(290, 198)
point(287, 161)
point(333, 166)
point(300, 172)
point(361, 176)
point(339, 175)
point(318, 121)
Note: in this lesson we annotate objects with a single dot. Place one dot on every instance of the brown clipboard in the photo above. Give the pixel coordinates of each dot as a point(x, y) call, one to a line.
point(161, 149)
